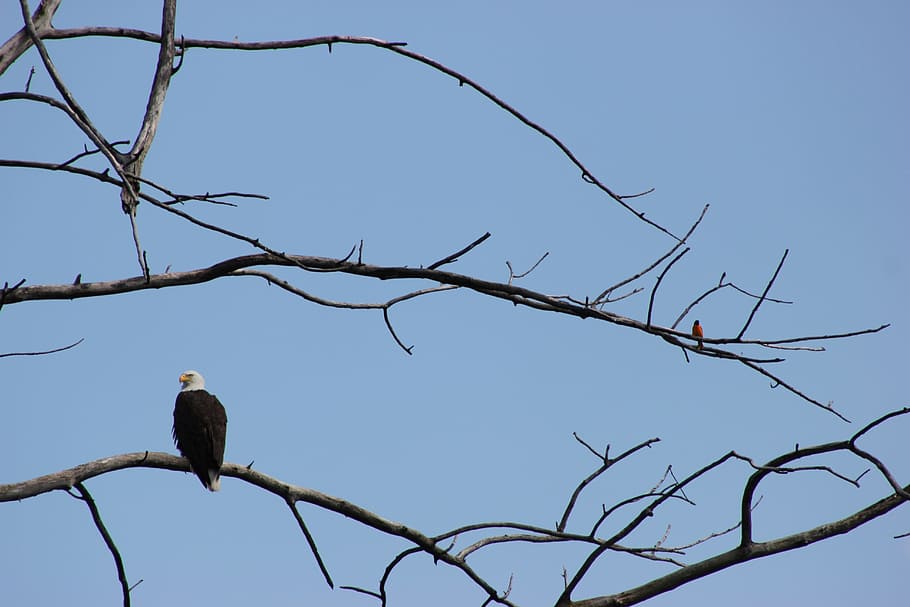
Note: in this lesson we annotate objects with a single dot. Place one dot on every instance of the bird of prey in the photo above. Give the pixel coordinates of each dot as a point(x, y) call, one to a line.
point(200, 426)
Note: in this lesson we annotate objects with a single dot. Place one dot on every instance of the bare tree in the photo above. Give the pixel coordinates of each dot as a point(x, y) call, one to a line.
point(613, 531)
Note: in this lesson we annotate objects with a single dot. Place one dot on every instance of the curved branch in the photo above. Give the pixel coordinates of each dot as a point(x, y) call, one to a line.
point(607, 463)
point(81, 119)
point(86, 497)
point(763, 295)
point(73, 109)
point(66, 479)
point(508, 292)
point(311, 542)
point(739, 555)
point(747, 550)
point(394, 47)
point(603, 297)
point(42, 353)
point(660, 277)
point(516, 295)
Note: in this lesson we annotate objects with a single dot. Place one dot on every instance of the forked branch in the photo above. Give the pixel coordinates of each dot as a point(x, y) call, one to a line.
point(440, 546)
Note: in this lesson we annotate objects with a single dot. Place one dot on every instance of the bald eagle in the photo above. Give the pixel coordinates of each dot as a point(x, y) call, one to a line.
point(200, 425)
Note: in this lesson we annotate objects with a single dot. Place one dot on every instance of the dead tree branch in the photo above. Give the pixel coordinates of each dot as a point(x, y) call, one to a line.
point(605, 294)
point(21, 41)
point(311, 542)
point(394, 47)
point(660, 277)
point(607, 463)
point(763, 295)
point(454, 256)
point(237, 266)
point(514, 276)
point(42, 353)
point(747, 549)
point(86, 497)
point(81, 119)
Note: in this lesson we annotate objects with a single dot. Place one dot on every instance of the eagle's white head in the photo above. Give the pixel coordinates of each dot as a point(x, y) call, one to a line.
point(191, 380)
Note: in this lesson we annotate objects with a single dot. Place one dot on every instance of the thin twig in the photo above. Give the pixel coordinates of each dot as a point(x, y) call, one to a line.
point(8, 289)
point(454, 256)
point(606, 292)
point(79, 116)
point(660, 277)
point(85, 496)
point(763, 295)
point(829, 407)
point(311, 542)
point(72, 345)
point(140, 254)
point(28, 83)
point(388, 324)
point(514, 276)
point(362, 591)
point(87, 152)
point(645, 513)
point(607, 463)
point(394, 47)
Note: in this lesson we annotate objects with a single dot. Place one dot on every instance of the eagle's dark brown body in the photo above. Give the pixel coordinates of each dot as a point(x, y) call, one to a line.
point(200, 427)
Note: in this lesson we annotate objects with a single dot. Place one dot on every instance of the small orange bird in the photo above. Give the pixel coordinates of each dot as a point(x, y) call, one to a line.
point(697, 333)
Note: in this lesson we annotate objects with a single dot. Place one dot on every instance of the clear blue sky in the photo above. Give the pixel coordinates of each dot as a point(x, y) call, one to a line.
point(790, 119)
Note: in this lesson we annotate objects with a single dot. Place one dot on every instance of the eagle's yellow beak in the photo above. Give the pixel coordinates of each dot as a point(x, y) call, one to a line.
point(184, 378)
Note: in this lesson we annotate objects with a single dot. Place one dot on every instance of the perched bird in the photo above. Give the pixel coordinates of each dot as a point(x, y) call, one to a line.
point(697, 333)
point(200, 426)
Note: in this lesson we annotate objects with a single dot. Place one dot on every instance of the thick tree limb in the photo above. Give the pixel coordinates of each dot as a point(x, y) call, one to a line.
point(739, 555)
point(67, 479)
point(136, 157)
point(505, 291)
point(21, 41)
point(747, 550)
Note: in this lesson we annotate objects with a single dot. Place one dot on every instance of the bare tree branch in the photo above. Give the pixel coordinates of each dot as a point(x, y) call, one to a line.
point(764, 293)
point(660, 277)
point(747, 550)
point(6, 290)
point(311, 542)
point(509, 292)
point(21, 41)
point(136, 157)
point(81, 119)
point(607, 463)
point(602, 298)
point(779, 382)
point(86, 497)
point(737, 556)
point(128, 167)
point(394, 47)
point(87, 152)
point(514, 276)
point(454, 256)
point(72, 345)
